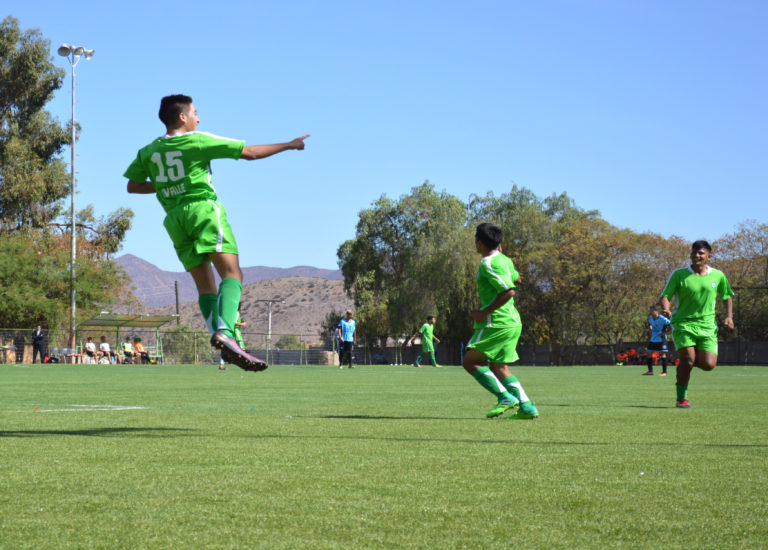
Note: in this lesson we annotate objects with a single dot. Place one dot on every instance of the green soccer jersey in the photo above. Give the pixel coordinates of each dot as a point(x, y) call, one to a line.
point(426, 331)
point(695, 295)
point(497, 273)
point(180, 166)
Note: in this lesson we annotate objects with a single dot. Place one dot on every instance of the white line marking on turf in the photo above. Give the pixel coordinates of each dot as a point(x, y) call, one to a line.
point(88, 408)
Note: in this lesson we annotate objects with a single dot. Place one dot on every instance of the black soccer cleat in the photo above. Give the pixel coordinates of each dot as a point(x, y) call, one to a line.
point(232, 353)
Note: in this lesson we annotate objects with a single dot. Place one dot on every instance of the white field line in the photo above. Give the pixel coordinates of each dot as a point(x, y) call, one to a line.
point(86, 408)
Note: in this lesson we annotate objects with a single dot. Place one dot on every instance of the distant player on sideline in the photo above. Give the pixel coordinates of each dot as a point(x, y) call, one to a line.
point(347, 333)
point(427, 342)
point(176, 167)
point(693, 321)
point(657, 325)
point(497, 327)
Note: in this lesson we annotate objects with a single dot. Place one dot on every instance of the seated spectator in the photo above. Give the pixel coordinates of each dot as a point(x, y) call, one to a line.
point(90, 351)
point(140, 351)
point(105, 352)
point(129, 357)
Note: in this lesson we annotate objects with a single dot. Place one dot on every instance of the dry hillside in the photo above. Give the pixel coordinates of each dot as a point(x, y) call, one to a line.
point(307, 301)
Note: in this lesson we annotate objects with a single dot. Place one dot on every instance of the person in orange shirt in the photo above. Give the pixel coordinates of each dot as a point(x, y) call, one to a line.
point(140, 350)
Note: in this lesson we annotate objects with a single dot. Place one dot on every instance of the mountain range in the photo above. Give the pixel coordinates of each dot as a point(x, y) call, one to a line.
point(154, 287)
point(304, 295)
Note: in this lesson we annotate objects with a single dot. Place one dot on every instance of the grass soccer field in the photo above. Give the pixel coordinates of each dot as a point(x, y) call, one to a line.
point(378, 457)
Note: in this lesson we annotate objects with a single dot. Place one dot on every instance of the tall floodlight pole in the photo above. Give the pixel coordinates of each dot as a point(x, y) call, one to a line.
point(269, 322)
point(73, 54)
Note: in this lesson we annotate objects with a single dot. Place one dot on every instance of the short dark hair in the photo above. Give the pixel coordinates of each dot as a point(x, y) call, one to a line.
point(654, 307)
point(698, 245)
point(489, 234)
point(171, 106)
point(430, 317)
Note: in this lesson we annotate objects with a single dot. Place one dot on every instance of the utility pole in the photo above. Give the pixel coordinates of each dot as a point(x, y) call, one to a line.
point(73, 54)
point(269, 322)
point(178, 306)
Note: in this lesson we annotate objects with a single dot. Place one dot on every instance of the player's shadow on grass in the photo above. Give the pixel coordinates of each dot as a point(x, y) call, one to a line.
point(99, 432)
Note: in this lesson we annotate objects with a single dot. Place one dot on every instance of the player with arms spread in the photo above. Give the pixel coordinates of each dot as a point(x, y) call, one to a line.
point(693, 321)
point(176, 167)
point(497, 327)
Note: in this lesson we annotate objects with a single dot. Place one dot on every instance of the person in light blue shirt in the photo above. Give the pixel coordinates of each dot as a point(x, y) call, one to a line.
point(657, 325)
point(348, 336)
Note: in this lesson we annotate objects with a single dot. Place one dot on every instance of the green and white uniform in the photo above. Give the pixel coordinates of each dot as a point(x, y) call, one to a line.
point(427, 344)
point(496, 337)
point(180, 170)
point(693, 319)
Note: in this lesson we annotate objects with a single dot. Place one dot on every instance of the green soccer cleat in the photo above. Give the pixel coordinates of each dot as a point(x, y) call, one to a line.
point(502, 406)
point(526, 411)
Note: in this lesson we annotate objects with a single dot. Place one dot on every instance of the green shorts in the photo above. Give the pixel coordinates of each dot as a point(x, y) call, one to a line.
point(499, 345)
point(197, 229)
point(703, 338)
point(427, 347)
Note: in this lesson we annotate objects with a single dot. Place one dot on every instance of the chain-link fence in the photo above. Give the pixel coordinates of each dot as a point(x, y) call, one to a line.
point(182, 345)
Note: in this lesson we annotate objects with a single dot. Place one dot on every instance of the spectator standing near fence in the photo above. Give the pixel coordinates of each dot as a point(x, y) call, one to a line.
point(38, 344)
point(694, 329)
point(347, 333)
point(176, 167)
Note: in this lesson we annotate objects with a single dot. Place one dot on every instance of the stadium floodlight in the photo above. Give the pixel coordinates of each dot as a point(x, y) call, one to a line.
point(73, 55)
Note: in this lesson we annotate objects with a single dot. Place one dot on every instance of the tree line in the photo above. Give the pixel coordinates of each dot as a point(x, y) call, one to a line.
point(34, 183)
point(584, 281)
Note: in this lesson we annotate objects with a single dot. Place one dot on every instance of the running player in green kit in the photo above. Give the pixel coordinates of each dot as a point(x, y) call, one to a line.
point(176, 167)
point(427, 333)
point(497, 327)
point(693, 321)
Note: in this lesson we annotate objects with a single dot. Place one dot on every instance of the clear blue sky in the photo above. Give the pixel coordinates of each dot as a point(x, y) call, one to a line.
point(652, 112)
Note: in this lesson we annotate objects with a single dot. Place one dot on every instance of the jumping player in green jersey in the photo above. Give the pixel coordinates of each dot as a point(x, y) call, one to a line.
point(427, 332)
point(176, 167)
point(497, 327)
point(693, 321)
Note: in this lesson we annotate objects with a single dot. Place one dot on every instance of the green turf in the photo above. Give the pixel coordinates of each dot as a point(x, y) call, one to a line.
point(379, 457)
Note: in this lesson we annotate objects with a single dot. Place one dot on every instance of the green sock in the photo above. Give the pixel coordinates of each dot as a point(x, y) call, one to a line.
point(229, 298)
point(682, 391)
point(418, 359)
point(488, 380)
point(515, 388)
point(209, 308)
point(432, 359)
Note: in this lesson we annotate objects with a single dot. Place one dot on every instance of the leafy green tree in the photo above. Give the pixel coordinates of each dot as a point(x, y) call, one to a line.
point(743, 257)
point(33, 179)
point(409, 258)
point(288, 341)
point(329, 324)
point(33, 183)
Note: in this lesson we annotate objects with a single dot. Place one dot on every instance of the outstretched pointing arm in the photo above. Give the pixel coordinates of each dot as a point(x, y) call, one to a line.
point(254, 152)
